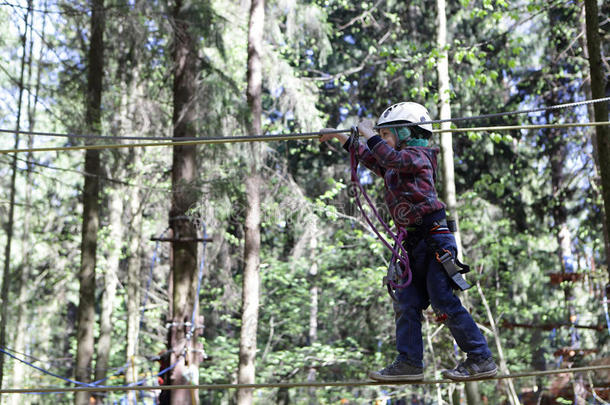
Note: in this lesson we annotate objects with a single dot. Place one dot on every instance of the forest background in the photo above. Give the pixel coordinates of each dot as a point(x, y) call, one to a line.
point(529, 201)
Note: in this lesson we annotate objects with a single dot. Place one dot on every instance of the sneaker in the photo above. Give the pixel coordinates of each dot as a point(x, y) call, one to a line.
point(398, 371)
point(472, 369)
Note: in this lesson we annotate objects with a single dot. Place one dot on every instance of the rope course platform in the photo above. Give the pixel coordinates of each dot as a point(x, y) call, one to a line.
point(558, 278)
point(161, 239)
point(569, 352)
point(295, 384)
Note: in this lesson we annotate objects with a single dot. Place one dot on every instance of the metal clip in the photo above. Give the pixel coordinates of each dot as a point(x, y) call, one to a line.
point(354, 137)
point(452, 270)
point(393, 275)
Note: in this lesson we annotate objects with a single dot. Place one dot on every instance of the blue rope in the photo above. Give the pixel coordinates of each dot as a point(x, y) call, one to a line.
point(91, 384)
point(46, 371)
point(121, 369)
point(118, 370)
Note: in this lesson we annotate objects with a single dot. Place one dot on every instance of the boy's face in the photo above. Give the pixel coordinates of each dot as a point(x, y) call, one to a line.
point(388, 136)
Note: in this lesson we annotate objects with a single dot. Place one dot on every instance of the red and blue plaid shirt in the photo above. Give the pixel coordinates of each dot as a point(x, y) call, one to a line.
point(409, 175)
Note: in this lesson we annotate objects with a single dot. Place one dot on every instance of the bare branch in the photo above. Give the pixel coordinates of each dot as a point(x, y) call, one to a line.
point(360, 17)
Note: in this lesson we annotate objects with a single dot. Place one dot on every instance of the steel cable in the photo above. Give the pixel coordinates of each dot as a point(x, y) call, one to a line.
point(295, 135)
point(320, 384)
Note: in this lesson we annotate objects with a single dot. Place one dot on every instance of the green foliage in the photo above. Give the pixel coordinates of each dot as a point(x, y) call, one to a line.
point(326, 63)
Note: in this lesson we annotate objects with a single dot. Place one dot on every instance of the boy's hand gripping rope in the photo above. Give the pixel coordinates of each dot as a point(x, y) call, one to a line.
point(399, 255)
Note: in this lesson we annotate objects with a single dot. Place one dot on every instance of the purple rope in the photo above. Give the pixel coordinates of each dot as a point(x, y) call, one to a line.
point(398, 238)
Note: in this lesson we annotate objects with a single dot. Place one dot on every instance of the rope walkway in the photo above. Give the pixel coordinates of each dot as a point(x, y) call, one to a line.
point(294, 385)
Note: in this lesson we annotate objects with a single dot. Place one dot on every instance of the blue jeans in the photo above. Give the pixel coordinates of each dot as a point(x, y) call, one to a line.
point(431, 285)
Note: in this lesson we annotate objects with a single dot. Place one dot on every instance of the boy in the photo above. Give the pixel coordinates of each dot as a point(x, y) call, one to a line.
point(401, 156)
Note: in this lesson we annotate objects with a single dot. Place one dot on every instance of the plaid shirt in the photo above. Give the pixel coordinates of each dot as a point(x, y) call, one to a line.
point(409, 175)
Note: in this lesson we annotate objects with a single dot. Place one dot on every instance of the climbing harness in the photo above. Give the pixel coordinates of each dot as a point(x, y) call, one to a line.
point(452, 265)
point(399, 273)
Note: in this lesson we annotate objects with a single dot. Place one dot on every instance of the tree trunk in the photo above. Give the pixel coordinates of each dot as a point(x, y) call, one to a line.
point(598, 90)
point(456, 397)
point(444, 92)
point(133, 121)
point(472, 393)
point(184, 196)
point(24, 274)
point(6, 275)
point(133, 271)
point(110, 284)
point(556, 145)
point(513, 398)
point(558, 153)
point(596, 182)
point(251, 281)
point(429, 333)
point(91, 193)
point(250, 292)
point(313, 306)
point(448, 178)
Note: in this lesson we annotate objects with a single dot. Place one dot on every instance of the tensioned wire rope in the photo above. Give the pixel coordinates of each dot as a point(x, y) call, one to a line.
point(320, 384)
point(184, 141)
point(270, 138)
point(294, 135)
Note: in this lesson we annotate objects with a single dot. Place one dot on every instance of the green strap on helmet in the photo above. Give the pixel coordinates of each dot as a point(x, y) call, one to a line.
point(417, 142)
point(404, 134)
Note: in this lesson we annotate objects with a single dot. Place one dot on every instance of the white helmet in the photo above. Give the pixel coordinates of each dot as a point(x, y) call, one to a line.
point(405, 111)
